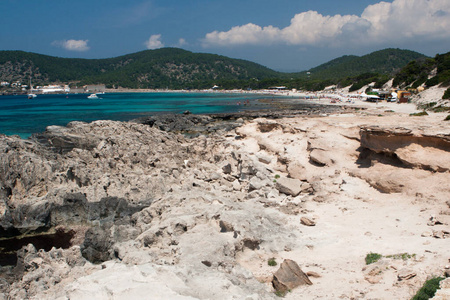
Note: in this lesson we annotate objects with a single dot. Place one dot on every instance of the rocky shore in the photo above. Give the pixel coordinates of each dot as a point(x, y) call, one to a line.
point(249, 206)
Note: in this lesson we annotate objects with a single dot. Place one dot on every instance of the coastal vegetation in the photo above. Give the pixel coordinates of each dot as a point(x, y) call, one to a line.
point(383, 62)
point(373, 258)
point(272, 262)
point(180, 69)
point(446, 94)
point(427, 71)
point(419, 114)
point(428, 289)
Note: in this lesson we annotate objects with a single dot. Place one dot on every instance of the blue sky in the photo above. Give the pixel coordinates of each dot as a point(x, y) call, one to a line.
point(285, 35)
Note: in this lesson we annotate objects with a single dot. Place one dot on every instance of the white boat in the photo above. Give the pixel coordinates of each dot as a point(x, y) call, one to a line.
point(31, 95)
point(93, 96)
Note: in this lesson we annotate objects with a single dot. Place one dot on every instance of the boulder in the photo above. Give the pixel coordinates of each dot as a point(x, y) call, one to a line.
point(255, 184)
point(297, 171)
point(307, 222)
point(313, 274)
point(289, 276)
point(405, 274)
point(264, 158)
point(227, 168)
point(236, 185)
point(374, 273)
point(441, 234)
point(97, 245)
point(320, 157)
point(434, 221)
point(289, 186)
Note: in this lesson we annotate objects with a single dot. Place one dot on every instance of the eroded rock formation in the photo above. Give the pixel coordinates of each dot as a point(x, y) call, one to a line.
point(170, 212)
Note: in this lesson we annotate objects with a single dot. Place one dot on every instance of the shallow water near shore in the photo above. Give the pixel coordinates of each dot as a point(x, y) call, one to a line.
point(23, 117)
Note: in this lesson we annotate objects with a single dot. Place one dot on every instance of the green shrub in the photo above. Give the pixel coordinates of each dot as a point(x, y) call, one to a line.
point(280, 294)
point(440, 109)
point(446, 94)
point(422, 113)
point(447, 118)
point(428, 289)
point(272, 262)
point(372, 258)
point(403, 256)
point(426, 106)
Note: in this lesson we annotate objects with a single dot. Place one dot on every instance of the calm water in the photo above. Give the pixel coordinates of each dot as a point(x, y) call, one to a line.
point(21, 116)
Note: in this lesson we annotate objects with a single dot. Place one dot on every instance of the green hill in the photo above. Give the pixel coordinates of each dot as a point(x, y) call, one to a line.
point(429, 71)
point(180, 69)
point(383, 62)
point(161, 68)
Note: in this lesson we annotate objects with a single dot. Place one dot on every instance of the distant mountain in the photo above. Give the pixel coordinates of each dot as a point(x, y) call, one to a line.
point(161, 68)
point(383, 62)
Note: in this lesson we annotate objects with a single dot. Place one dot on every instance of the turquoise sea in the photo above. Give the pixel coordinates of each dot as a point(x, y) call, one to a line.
point(22, 116)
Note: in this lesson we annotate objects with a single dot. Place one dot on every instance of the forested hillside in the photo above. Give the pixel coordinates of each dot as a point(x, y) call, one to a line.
point(430, 71)
point(167, 67)
point(383, 62)
point(180, 69)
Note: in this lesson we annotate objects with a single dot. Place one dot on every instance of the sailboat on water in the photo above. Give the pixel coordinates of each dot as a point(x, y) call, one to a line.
point(30, 94)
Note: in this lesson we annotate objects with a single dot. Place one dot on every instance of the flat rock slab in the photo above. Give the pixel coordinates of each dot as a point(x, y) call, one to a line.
point(289, 276)
point(320, 157)
point(289, 186)
point(405, 274)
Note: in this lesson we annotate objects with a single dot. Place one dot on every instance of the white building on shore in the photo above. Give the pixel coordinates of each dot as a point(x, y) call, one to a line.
point(50, 89)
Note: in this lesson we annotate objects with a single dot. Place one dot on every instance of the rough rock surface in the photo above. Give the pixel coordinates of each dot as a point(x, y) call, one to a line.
point(289, 186)
point(169, 212)
point(289, 276)
point(414, 148)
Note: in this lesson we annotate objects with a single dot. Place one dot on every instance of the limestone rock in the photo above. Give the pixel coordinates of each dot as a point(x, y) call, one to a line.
point(289, 186)
point(426, 234)
point(289, 276)
point(236, 185)
point(256, 184)
point(374, 273)
point(264, 158)
point(297, 171)
point(313, 274)
point(97, 245)
point(267, 125)
point(443, 293)
point(321, 157)
point(434, 221)
point(415, 148)
point(227, 168)
point(308, 222)
point(441, 234)
point(225, 226)
point(405, 274)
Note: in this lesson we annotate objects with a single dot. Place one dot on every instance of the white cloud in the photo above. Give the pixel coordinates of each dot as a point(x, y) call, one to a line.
point(73, 45)
point(383, 22)
point(182, 42)
point(154, 42)
point(246, 34)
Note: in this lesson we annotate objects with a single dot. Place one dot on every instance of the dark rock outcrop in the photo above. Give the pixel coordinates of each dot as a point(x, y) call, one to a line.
point(97, 244)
